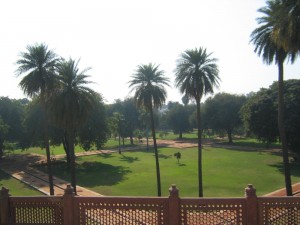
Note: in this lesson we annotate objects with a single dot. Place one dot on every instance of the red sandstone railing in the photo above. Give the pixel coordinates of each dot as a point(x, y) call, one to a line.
point(173, 210)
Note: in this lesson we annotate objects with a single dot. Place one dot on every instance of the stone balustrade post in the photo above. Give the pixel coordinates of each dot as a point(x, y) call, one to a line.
point(174, 205)
point(251, 204)
point(4, 206)
point(68, 206)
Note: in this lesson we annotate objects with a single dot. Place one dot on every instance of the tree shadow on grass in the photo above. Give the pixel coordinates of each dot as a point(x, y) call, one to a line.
point(106, 155)
point(294, 168)
point(3, 176)
point(91, 174)
point(163, 156)
point(129, 159)
point(97, 174)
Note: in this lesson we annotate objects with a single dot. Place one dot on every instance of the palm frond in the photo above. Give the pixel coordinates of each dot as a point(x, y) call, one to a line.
point(149, 83)
point(196, 72)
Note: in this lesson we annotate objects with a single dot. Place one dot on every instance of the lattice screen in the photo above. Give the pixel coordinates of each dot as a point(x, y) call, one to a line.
point(37, 210)
point(212, 211)
point(279, 211)
point(118, 211)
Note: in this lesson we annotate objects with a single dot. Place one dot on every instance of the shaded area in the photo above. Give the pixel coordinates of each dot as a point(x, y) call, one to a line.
point(91, 174)
point(3, 176)
point(163, 156)
point(295, 168)
point(240, 148)
point(129, 159)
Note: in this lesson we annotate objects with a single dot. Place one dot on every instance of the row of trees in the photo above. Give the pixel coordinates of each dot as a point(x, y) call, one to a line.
point(61, 96)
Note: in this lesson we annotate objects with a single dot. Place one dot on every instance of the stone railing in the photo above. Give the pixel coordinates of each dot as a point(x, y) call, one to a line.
point(173, 210)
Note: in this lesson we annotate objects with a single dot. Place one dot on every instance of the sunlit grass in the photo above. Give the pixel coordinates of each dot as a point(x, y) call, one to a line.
point(16, 188)
point(225, 172)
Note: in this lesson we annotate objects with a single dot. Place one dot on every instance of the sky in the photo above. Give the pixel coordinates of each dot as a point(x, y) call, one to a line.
point(114, 37)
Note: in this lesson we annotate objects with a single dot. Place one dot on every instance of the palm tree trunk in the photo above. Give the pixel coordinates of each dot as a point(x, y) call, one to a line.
point(281, 127)
point(72, 157)
point(200, 185)
point(47, 147)
point(66, 148)
point(156, 154)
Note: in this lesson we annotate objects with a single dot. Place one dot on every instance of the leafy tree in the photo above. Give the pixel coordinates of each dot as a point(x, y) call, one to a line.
point(37, 65)
point(222, 112)
point(178, 119)
point(130, 114)
point(12, 114)
point(94, 131)
point(265, 46)
point(72, 104)
point(3, 132)
point(148, 82)
point(33, 124)
point(260, 114)
point(197, 75)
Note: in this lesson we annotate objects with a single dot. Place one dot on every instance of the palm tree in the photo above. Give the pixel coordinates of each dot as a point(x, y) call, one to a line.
point(265, 46)
point(197, 75)
point(148, 83)
point(286, 30)
point(38, 64)
point(71, 104)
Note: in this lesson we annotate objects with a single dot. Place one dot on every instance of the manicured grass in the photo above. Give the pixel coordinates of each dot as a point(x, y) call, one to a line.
point(226, 172)
point(16, 188)
point(59, 150)
point(171, 136)
point(250, 142)
point(54, 150)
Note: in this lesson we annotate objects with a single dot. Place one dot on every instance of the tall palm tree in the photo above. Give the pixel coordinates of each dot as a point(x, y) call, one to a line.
point(148, 82)
point(71, 104)
point(196, 75)
point(265, 46)
point(38, 66)
point(286, 30)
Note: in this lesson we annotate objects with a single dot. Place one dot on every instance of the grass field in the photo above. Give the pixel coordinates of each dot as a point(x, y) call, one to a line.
point(58, 150)
point(226, 172)
point(16, 188)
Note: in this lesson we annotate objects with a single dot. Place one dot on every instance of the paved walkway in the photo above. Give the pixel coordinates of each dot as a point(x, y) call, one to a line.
point(282, 191)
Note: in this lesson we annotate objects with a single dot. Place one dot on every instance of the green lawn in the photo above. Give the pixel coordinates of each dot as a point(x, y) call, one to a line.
point(16, 188)
point(225, 172)
point(58, 150)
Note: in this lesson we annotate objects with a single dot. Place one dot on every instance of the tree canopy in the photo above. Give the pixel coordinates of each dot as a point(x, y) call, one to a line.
point(260, 114)
point(221, 112)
